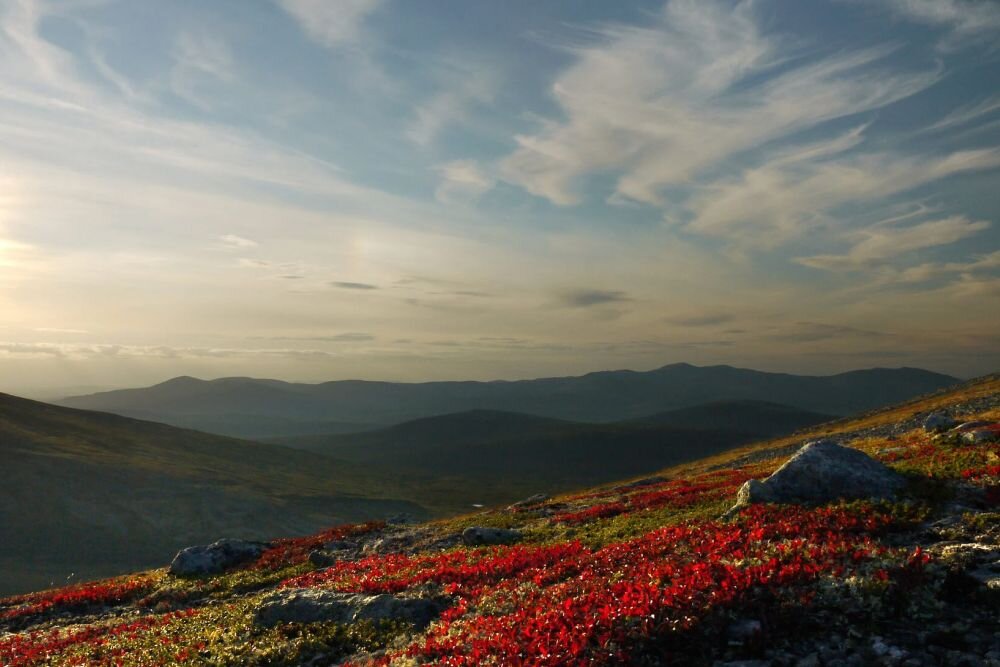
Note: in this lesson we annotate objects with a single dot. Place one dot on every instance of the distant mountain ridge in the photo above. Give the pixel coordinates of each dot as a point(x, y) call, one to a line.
point(284, 408)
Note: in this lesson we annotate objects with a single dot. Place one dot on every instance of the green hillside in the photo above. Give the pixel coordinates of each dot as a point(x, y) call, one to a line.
point(94, 494)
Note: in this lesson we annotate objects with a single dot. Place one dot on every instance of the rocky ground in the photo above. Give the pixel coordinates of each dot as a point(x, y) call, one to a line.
point(875, 544)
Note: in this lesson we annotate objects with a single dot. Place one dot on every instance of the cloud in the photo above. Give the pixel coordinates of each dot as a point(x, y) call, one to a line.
point(202, 62)
point(928, 271)
point(663, 105)
point(585, 298)
point(810, 332)
point(462, 180)
point(964, 19)
point(701, 320)
point(349, 285)
point(879, 243)
point(353, 337)
point(776, 201)
point(235, 242)
point(331, 23)
point(463, 87)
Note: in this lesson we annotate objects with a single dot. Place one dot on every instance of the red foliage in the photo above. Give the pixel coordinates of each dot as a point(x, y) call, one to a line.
point(80, 596)
point(34, 647)
point(295, 550)
point(582, 607)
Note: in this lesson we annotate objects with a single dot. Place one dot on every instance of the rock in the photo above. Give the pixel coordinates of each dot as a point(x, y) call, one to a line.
point(323, 558)
point(340, 545)
point(215, 557)
point(820, 472)
point(972, 425)
point(744, 630)
point(479, 535)
point(938, 422)
point(402, 519)
point(529, 501)
point(307, 605)
point(981, 435)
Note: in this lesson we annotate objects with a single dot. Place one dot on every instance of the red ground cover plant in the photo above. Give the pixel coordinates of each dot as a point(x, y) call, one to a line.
point(677, 493)
point(106, 593)
point(36, 647)
point(295, 550)
point(607, 606)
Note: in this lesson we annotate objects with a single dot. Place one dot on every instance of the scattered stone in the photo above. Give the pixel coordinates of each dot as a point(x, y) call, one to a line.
point(823, 471)
point(480, 535)
point(306, 605)
point(529, 501)
point(214, 558)
point(340, 545)
point(392, 543)
point(938, 422)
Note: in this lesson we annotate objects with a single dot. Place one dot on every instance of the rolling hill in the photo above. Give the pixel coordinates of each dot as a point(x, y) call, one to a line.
point(95, 494)
point(554, 454)
point(667, 572)
point(282, 408)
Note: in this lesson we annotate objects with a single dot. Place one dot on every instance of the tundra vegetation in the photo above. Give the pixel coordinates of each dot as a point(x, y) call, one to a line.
point(641, 572)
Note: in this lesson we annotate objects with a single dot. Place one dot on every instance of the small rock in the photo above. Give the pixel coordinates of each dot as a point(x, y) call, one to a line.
point(322, 558)
point(981, 435)
point(744, 630)
point(215, 557)
point(938, 422)
point(480, 535)
point(823, 471)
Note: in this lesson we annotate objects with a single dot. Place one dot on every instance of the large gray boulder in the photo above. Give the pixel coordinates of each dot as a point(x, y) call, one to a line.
point(479, 536)
point(306, 605)
point(823, 471)
point(214, 558)
point(938, 422)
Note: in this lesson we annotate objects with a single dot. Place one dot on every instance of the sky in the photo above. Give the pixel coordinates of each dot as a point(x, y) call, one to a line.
point(396, 190)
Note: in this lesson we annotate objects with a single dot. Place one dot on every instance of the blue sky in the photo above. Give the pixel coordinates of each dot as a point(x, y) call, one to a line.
point(424, 190)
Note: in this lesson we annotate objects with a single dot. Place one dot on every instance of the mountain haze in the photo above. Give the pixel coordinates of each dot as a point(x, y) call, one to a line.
point(605, 396)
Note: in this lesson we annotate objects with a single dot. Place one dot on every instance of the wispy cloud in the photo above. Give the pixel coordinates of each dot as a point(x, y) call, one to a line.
point(964, 19)
point(353, 337)
point(879, 243)
point(783, 200)
point(331, 23)
point(585, 298)
point(706, 320)
point(665, 104)
point(234, 242)
point(352, 285)
point(462, 180)
point(202, 63)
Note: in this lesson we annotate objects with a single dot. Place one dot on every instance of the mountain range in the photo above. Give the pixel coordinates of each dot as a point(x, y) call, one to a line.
point(256, 408)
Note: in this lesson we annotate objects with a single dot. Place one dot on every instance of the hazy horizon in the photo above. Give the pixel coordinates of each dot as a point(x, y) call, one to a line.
point(385, 190)
point(60, 392)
